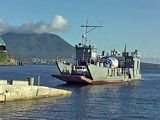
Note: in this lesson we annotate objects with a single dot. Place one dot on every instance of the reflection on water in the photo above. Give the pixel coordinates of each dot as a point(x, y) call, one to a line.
point(133, 100)
point(30, 109)
point(102, 101)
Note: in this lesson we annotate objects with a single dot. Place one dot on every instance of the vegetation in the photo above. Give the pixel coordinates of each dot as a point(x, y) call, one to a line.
point(3, 56)
point(7, 59)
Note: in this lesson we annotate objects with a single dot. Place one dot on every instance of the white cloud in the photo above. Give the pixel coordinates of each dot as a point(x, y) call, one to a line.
point(3, 26)
point(59, 23)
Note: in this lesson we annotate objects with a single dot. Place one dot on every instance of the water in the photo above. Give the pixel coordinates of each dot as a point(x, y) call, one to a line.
point(138, 100)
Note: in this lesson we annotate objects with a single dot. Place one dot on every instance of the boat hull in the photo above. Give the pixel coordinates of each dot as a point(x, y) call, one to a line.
point(76, 79)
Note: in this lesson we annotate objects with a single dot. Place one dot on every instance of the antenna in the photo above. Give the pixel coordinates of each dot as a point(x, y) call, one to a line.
point(87, 31)
point(125, 48)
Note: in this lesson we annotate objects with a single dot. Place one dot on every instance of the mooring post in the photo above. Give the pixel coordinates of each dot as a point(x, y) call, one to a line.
point(38, 79)
point(31, 81)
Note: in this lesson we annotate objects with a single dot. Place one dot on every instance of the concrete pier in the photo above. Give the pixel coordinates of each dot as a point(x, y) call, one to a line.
point(20, 90)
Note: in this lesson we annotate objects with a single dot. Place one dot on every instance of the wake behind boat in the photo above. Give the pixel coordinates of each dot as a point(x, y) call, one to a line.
point(92, 68)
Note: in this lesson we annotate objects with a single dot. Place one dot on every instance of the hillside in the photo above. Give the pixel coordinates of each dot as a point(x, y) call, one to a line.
point(28, 46)
point(7, 59)
point(25, 47)
point(149, 65)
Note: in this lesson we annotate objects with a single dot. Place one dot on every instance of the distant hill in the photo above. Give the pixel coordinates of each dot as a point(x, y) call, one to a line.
point(49, 46)
point(149, 65)
point(28, 46)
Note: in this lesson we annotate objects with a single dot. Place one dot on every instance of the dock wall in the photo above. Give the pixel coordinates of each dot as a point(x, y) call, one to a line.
point(21, 91)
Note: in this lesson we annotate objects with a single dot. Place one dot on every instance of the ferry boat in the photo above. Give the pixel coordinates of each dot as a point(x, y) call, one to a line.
point(89, 67)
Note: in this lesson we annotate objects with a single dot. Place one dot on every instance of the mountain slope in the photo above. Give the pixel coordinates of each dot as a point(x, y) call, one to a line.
point(149, 65)
point(27, 46)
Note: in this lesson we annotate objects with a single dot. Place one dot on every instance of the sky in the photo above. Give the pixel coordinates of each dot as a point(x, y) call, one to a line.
point(135, 23)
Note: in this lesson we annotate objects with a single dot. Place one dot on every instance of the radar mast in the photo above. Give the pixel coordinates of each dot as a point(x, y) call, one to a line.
point(87, 30)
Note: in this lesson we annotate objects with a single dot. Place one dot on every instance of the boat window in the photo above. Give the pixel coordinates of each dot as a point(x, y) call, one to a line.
point(81, 67)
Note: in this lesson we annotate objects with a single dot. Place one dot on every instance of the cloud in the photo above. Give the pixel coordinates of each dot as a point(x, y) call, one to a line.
point(3, 26)
point(58, 24)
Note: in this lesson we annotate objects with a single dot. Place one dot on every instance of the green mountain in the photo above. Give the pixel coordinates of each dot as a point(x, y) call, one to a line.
point(29, 46)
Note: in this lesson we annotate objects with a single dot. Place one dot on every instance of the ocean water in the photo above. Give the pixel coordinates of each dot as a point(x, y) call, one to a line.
point(138, 100)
